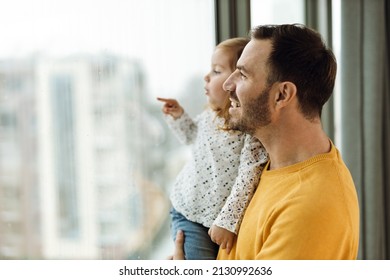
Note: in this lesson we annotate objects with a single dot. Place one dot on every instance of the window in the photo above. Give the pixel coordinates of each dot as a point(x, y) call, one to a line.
point(336, 23)
point(277, 11)
point(78, 88)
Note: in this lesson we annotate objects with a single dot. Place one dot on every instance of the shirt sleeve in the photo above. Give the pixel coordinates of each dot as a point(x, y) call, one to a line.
point(252, 161)
point(184, 128)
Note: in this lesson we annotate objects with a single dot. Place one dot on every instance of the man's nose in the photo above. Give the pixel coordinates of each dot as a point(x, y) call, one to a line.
point(228, 84)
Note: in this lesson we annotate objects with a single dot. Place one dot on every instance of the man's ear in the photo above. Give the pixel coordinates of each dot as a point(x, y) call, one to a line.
point(287, 92)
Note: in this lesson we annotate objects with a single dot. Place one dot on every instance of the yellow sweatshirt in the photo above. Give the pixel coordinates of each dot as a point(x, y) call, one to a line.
point(305, 211)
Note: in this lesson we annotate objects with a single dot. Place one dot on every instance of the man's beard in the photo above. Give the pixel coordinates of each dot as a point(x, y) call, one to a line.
point(255, 114)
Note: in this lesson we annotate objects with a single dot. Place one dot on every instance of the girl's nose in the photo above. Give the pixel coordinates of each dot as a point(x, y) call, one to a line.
point(228, 84)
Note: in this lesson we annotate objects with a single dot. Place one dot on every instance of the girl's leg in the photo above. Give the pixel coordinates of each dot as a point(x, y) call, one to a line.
point(197, 242)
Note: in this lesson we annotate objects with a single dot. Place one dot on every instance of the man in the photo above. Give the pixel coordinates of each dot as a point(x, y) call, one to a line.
point(306, 205)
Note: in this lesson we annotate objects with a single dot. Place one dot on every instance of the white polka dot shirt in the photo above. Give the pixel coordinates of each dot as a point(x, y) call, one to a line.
point(215, 186)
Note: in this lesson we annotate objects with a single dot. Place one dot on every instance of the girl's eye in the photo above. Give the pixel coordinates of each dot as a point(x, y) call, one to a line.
point(242, 75)
point(216, 72)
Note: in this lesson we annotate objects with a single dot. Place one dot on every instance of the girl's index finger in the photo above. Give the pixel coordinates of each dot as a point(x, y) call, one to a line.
point(164, 99)
point(168, 101)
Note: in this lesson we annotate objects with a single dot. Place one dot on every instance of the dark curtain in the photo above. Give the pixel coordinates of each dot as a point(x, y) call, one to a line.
point(364, 127)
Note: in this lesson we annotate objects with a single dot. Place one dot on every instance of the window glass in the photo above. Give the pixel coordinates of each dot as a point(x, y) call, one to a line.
point(86, 159)
point(277, 11)
point(336, 39)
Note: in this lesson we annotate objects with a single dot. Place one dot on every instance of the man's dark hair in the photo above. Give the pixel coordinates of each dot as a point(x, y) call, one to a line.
point(299, 55)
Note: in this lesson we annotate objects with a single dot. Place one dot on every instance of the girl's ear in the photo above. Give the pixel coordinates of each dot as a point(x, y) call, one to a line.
point(287, 92)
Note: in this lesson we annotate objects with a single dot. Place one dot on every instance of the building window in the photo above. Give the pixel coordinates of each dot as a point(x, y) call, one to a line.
point(64, 159)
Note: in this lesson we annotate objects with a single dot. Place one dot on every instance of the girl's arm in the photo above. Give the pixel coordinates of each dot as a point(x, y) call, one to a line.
point(252, 161)
point(179, 121)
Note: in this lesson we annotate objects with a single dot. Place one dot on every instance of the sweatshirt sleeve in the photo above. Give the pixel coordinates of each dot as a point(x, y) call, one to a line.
point(184, 128)
point(252, 161)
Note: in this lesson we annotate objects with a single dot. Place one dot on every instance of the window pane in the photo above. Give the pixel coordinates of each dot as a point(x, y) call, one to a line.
point(86, 159)
point(336, 39)
point(277, 11)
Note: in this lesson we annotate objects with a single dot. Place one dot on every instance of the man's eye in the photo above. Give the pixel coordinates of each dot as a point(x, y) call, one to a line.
point(242, 75)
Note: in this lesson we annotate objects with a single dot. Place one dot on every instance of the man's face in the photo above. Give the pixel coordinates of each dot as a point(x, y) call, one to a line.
point(249, 91)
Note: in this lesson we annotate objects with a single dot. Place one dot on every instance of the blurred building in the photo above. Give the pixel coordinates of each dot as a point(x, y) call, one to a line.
point(76, 152)
point(19, 202)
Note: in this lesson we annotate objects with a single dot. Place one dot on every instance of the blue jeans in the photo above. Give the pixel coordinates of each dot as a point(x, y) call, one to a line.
point(197, 242)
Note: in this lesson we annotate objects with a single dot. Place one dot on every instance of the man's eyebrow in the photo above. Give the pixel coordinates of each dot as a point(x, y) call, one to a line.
point(242, 68)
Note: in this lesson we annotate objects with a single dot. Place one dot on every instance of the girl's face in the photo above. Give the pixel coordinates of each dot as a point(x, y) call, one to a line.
point(220, 71)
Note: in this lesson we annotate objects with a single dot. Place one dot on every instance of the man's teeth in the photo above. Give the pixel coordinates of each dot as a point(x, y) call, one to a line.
point(235, 104)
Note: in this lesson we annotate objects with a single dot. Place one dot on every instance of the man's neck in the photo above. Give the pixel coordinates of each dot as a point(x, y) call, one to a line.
point(294, 144)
